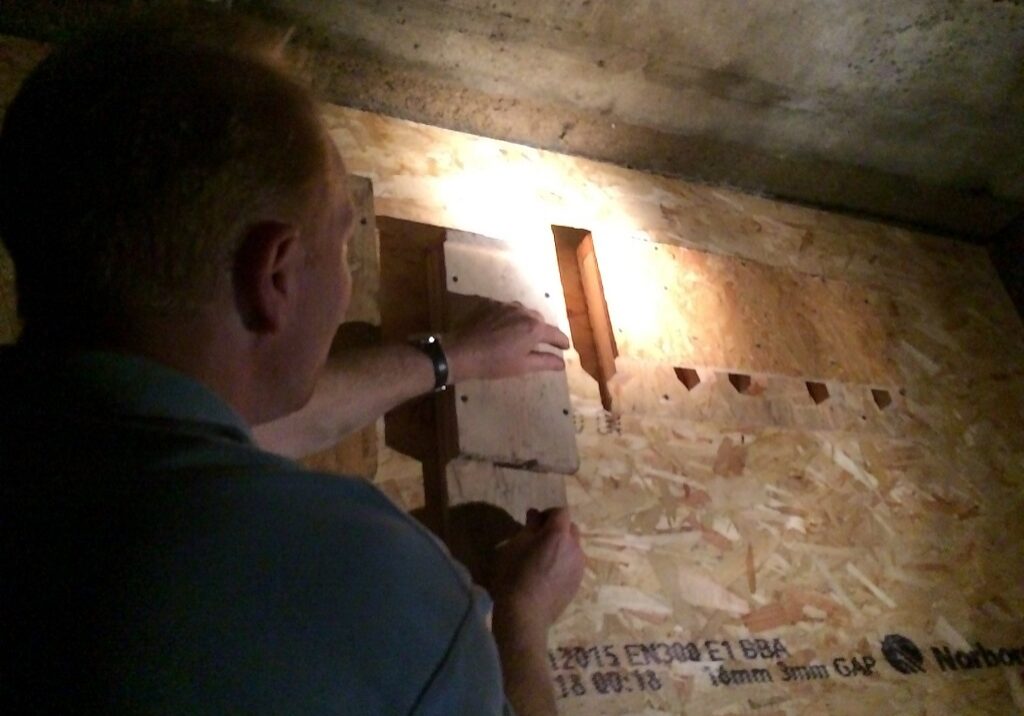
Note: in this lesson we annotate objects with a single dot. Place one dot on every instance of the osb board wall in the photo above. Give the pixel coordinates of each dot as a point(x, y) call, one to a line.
point(669, 303)
point(726, 518)
point(706, 531)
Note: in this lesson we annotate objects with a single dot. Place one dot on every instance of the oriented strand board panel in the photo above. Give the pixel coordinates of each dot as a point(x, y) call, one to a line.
point(788, 572)
point(732, 518)
point(684, 307)
point(523, 422)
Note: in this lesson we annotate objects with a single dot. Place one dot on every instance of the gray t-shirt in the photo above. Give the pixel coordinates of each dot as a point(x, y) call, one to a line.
point(154, 560)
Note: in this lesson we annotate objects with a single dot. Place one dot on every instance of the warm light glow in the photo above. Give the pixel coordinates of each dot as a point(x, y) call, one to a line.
point(498, 193)
point(641, 307)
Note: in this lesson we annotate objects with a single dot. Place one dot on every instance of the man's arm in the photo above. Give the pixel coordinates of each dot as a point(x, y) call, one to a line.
point(356, 388)
point(496, 340)
point(537, 574)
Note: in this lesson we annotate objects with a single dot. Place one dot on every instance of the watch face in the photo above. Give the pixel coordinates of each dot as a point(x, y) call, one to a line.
point(430, 343)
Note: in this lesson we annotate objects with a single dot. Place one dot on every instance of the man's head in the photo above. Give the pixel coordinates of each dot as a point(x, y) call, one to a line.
point(149, 179)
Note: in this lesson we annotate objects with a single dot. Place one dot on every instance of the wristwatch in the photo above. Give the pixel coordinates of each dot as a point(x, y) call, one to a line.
point(431, 345)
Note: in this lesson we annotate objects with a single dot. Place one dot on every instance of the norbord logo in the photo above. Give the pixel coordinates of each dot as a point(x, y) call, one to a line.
point(905, 656)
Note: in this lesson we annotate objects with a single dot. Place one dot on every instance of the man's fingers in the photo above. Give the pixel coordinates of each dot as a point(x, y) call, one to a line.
point(553, 336)
point(539, 361)
point(557, 519)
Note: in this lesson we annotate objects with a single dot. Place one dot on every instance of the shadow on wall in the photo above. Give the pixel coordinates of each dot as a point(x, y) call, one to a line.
point(1007, 252)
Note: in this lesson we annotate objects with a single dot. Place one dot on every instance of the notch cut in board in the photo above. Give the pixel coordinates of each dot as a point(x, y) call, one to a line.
point(669, 304)
point(817, 391)
point(741, 382)
point(412, 280)
point(689, 377)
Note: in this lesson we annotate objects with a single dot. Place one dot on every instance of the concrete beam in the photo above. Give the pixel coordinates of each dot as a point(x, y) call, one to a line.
point(357, 56)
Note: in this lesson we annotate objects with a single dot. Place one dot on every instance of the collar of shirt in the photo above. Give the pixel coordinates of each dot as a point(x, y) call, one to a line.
point(133, 386)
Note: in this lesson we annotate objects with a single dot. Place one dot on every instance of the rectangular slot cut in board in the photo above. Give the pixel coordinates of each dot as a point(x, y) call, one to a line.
point(412, 282)
point(604, 345)
point(587, 313)
point(412, 277)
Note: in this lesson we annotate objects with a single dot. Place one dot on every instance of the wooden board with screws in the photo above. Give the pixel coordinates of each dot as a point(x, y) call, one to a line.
point(523, 422)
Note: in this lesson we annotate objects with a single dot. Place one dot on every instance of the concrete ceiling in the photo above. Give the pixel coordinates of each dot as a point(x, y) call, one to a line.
point(911, 110)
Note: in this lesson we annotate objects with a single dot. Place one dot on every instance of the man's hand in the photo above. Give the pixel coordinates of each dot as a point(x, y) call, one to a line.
point(499, 340)
point(538, 571)
point(536, 575)
point(489, 340)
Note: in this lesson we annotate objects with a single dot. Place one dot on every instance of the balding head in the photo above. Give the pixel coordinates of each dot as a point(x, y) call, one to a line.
point(133, 163)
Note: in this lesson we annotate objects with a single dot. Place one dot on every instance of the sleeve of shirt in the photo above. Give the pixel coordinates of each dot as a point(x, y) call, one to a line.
point(466, 678)
point(463, 681)
point(300, 593)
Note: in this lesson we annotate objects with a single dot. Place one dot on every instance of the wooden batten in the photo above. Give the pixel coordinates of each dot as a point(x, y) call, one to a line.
point(412, 266)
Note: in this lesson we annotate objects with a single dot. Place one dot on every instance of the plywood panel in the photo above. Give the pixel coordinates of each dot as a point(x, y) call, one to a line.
point(675, 305)
point(522, 422)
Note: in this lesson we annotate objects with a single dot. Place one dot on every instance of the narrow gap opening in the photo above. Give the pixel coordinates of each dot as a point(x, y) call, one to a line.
point(585, 306)
point(688, 377)
point(817, 391)
point(741, 382)
point(882, 398)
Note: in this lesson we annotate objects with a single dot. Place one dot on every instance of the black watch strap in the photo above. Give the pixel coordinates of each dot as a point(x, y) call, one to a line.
point(431, 345)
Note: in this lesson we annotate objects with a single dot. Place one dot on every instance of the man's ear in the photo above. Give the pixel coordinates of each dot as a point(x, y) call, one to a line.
point(264, 274)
